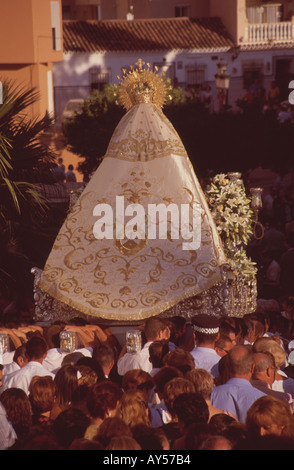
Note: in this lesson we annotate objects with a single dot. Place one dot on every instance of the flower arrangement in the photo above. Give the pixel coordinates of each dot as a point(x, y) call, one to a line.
point(234, 218)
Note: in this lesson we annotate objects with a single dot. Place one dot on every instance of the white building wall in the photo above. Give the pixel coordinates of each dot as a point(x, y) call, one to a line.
point(72, 80)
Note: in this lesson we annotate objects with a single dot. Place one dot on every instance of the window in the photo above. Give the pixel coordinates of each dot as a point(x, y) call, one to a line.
point(252, 70)
point(56, 26)
point(99, 78)
point(265, 14)
point(66, 12)
point(195, 75)
point(183, 10)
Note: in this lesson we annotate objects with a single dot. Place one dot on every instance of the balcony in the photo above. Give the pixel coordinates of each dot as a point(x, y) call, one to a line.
point(260, 33)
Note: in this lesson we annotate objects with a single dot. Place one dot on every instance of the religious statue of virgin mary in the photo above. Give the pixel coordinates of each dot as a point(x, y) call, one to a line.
point(140, 239)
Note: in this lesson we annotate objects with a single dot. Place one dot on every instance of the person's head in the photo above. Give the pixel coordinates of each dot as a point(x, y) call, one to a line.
point(69, 425)
point(72, 358)
point(241, 330)
point(157, 351)
point(190, 408)
point(225, 425)
point(220, 422)
point(228, 329)
point(51, 335)
point(164, 375)
point(104, 355)
point(180, 324)
point(216, 443)
point(110, 428)
point(269, 415)
point(39, 438)
point(18, 410)
point(20, 356)
point(85, 444)
point(137, 379)
point(223, 345)
point(133, 408)
point(271, 346)
point(150, 438)
point(42, 393)
point(66, 382)
point(206, 329)
point(203, 382)
point(36, 349)
point(196, 435)
point(241, 361)
point(154, 329)
point(264, 367)
point(93, 364)
point(173, 389)
point(123, 443)
point(181, 359)
point(257, 326)
point(88, 376)
point(70, 167)
point(103, 399)
point(224, 371)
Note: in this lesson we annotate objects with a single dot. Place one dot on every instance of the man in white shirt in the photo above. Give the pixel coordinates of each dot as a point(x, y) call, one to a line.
point(19, 360)
point(54, 358)
point(206, 333)
point(36, 351)
point(155, 330)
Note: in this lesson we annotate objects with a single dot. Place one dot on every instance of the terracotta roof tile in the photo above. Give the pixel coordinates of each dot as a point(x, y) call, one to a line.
point(146, 35)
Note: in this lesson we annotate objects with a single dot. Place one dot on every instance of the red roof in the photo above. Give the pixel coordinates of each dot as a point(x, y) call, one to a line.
point(203, 34)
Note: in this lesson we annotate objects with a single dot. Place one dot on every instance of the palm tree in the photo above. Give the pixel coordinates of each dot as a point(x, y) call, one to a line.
point(25, 164)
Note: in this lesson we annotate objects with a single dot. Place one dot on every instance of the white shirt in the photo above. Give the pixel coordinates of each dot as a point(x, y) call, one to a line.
point(138, 360)
point(54, 358)
point(7, 357)
point(7, 433)
point(206, 358)
point(9, 368)
point(22, 378)
point(286, 385)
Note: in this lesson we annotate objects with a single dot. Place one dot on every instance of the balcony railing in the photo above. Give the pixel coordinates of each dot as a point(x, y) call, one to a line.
point(269, 32)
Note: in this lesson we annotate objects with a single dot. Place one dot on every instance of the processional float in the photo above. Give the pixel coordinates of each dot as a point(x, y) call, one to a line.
point(123, 279)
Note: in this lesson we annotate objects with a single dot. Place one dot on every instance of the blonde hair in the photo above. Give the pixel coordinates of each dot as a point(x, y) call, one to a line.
point(267, 410)
point(133, 408)
point(203, 382)
point(270, 345)
point(174, 388)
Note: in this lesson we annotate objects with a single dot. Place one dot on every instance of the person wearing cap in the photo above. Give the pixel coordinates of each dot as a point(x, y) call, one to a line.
point(206, 333)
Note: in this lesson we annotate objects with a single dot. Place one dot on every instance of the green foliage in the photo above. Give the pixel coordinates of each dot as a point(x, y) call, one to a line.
point(218, 142)
point(88, 133)
point(24, 163)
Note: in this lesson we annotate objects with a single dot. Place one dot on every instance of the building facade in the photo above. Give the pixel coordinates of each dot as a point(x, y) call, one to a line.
point(31, 42)
point(96, 51)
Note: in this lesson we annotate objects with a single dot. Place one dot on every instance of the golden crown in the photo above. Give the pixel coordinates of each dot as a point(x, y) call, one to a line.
point(142, 85)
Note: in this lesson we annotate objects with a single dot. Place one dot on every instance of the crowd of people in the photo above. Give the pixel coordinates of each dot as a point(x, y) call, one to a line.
point(61, 175)
point(206, 383)
point(256, 97)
